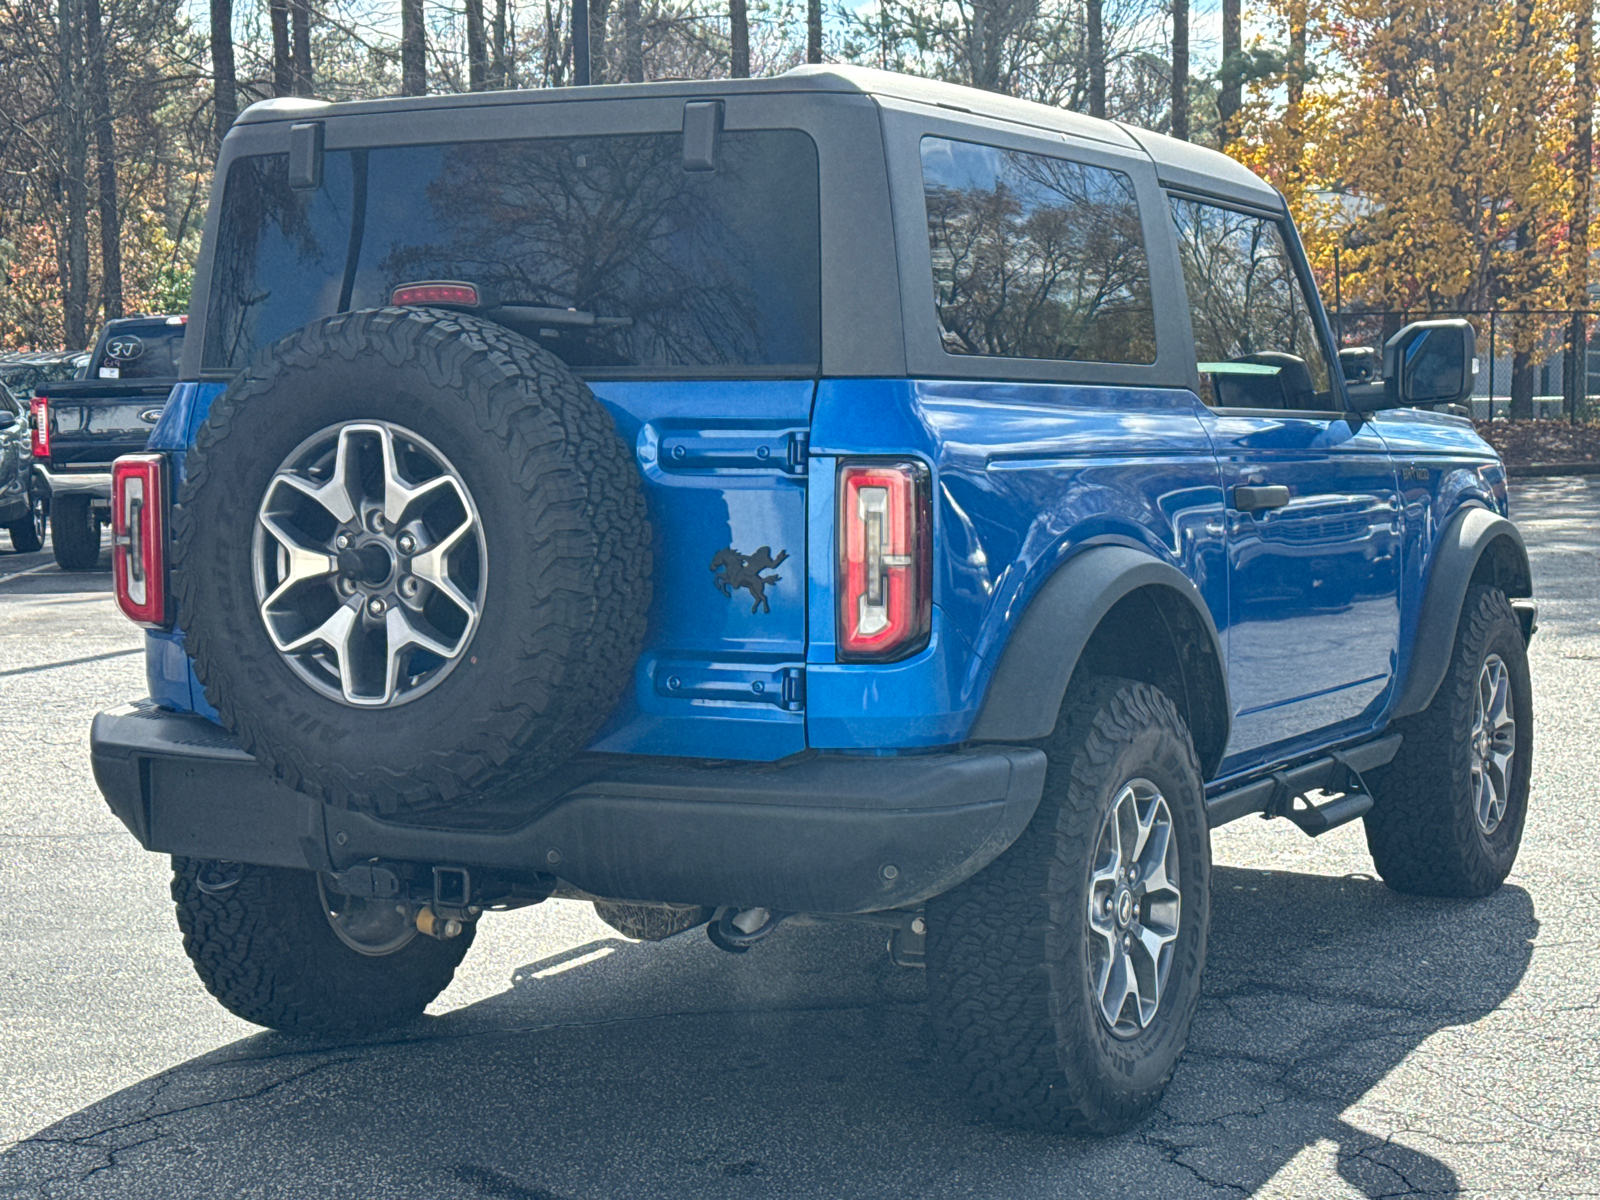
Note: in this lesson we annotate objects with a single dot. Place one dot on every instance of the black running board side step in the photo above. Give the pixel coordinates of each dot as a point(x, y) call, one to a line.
point(1276, 793)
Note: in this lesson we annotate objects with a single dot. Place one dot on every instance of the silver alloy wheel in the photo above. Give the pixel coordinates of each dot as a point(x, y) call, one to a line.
point(39, 514)
point(1494, 743)
point(370, 927)
point(1134, 907)
point(369, 563)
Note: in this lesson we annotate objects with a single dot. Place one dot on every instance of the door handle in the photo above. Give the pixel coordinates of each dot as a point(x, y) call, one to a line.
point(1259, 496)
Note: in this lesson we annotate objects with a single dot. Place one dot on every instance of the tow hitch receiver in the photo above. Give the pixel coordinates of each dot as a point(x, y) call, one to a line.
point(444, 898)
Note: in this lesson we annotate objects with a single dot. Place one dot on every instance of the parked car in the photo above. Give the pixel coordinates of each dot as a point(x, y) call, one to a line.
point(81, 425)
point(22, 507)
point(835, 494)
point(23, 372)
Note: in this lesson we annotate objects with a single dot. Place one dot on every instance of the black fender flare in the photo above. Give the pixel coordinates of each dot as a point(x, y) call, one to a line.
point(1457, 553)
point(1030, 681)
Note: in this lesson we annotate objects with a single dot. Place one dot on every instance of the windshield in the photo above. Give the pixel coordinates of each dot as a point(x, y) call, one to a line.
point(650, 266)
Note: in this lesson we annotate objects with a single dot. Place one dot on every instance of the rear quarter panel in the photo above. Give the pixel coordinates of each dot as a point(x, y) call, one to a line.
point(1025, 475)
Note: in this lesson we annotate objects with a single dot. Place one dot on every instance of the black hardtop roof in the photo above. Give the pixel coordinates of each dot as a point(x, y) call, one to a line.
point(1179, 163)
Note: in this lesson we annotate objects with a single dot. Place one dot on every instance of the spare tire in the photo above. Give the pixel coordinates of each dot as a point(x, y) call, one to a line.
point(411, 559)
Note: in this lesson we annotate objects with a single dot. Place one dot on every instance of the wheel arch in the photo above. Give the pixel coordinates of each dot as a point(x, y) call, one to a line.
point(1476, 546)
point(1111, 610)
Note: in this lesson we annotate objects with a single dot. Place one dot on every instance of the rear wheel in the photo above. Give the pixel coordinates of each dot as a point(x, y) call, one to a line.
point(1064, 976)
point(27, 535)
point(75, 533)
point(278, 948)
point(1450, 808)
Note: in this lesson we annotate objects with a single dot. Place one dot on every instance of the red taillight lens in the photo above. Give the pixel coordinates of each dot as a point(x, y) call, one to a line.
point(885, 551)
point(464, 294)
point(39, 415)
point(139, 537)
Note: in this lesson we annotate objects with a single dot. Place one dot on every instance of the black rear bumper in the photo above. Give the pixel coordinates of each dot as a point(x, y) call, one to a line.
point(825, 834)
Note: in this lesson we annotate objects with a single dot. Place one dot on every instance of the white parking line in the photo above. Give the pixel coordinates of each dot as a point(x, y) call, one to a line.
point(29, 571)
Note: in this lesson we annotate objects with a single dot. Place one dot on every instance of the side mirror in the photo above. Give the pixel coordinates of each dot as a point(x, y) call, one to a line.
point(1361, 364)
point(1426, 363)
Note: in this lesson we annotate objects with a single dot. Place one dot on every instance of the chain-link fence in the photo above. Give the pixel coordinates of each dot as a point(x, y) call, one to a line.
point(1531, 363)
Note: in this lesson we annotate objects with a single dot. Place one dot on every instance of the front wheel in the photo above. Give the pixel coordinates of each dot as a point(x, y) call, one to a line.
point(27, 535)
point(276, 947)
point(1450, 808)
point(1064, 975)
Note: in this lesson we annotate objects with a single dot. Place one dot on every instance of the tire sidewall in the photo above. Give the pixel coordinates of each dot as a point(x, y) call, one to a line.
point(1089, 1054)
point(1498, 850)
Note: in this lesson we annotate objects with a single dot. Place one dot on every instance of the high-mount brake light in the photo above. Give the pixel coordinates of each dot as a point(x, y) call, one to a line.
point(139, 537)
point(885, 560)
point(39, 419)
point(436, 292)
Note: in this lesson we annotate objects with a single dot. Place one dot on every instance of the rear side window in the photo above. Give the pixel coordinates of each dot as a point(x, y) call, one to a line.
point(654, 266)
point(1253, 330)
point(1035, 256)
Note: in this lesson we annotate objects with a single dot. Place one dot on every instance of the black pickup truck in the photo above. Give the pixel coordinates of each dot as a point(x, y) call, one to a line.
point(81, 425)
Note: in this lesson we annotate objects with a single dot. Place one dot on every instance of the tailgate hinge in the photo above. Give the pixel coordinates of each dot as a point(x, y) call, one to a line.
point(799, 445)
point(794, 689)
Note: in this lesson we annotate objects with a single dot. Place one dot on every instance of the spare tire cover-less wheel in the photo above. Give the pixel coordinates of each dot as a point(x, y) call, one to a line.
point(411, 559)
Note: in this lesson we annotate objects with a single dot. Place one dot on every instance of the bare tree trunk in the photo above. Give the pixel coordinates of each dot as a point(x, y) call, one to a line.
point(1294, 116)
point(105, 150)
point(633, 41)
point(1097, 58)
point(282, 69)
point(813, 31)
point(498, 75)
point(1582, 185)
point(413, 50)
point(739, 38)
point(300, 61)
point(1230, 98)
point(1180, 69)
point(224, 88)
point(599, 17)
point(477, 50)
point(75, 140)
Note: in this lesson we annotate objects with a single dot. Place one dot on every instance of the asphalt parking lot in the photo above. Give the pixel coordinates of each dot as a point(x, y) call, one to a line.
point(1352, 1042)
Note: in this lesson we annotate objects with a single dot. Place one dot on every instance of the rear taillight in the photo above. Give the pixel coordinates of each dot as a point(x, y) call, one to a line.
point(885, 550)
point(39, 415)
point(139, 537)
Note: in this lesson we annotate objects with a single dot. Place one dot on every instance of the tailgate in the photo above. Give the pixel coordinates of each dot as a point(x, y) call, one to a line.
point(92, 423)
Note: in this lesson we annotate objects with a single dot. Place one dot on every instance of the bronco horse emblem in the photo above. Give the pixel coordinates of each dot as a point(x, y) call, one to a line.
point(734, 570)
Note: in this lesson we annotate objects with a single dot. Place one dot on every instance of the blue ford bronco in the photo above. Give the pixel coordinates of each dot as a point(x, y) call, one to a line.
point(831, 496)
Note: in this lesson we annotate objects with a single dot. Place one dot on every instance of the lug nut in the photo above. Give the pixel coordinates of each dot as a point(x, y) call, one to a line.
point(918, 926)
point(375, 606)
point(407, 543)
point(342, 541)
point(1133, 873)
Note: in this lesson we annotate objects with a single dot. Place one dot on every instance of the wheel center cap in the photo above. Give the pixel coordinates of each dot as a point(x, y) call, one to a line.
point(1124, 907)
point(370, 564)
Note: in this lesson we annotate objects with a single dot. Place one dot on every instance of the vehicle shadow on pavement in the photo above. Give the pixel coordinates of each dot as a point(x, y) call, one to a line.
point(807, 1068)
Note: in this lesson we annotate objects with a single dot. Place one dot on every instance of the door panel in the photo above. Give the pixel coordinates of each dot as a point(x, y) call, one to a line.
point(1314, 597)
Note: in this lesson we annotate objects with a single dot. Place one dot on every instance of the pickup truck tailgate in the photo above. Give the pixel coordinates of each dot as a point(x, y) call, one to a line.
point(94, 421)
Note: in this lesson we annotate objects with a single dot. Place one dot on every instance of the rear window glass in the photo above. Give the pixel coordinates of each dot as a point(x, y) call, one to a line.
point(1035, 256)
point(143, 352)
point(653, 266)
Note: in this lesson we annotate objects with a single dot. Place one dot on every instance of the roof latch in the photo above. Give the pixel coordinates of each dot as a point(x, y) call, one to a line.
point(702, 130)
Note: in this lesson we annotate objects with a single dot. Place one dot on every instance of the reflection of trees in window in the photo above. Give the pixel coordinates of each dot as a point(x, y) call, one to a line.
point(614, 226)
point(1043, 260)
point(1244, 296)
point(257, 201)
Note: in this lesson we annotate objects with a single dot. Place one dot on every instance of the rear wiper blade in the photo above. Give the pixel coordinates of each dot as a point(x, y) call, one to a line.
point(557, 316)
